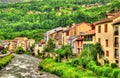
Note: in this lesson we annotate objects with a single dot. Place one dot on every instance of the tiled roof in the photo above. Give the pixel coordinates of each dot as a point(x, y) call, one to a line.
point(115, 15)
point(90, 32)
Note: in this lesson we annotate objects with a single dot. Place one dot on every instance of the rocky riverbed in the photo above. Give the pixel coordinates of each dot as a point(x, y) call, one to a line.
point(24, 66)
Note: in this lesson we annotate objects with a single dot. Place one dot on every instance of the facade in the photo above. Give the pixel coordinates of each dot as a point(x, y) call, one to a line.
point(47, 34)
point(89, 38)
point(12, 45)
point(39, 47)
point(107, 34)
point(23, 42)
point(78, 44)
point(77, 40)
point(82, 27)
point(30, 42)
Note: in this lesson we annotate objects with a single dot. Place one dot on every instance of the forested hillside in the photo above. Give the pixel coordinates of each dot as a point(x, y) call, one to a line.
point(33, 18)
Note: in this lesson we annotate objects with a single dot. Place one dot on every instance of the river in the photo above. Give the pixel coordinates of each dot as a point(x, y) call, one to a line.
point(24, 66)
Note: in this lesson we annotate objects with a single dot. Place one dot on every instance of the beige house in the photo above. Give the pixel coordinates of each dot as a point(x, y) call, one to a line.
point(30, 42)
point(23, 42)
point(107, 34)
point(39, 47)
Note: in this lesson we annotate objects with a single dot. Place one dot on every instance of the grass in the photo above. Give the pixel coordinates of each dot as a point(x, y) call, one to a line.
point(5, 60)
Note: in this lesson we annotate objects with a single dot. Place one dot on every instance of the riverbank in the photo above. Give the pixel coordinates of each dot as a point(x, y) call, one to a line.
point(5, 60)
point(24, 66)
point(65, 70)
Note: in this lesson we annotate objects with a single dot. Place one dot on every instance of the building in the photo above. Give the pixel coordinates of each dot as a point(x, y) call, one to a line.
point(76, 40)
point(30, 43)
point(77, 44)
point(39, 47)
point(82, 27)
point(47, 34)
point(21, 42)
point(107, 34)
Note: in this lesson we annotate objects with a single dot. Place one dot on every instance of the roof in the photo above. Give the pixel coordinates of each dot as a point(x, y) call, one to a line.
point(115, 15)
point(20, 38)
point(54, 30)
point(90, 32)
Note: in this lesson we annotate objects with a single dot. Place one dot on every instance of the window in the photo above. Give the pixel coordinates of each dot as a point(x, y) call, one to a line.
point(99, 29)
point(40, 45)
point(106, 42)
point(107, 53)
point(67, 33)
point(106, 27)
point(116, 61)
point(116, 42)
point(116, 30)
point(99, 40)
point(116, 54)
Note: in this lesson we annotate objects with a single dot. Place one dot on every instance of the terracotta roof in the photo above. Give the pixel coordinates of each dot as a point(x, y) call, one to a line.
point(90, 32)
point(115, 15)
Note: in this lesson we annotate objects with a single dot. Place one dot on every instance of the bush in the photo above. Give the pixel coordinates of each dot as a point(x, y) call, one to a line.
point(75, 62)
point(115, 73)
point(20, 50)
point(4, 51)
point(5, 60)
point(113, 65)
point(64, 70)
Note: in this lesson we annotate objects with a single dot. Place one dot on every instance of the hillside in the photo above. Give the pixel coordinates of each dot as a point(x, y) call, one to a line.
point(32, 19)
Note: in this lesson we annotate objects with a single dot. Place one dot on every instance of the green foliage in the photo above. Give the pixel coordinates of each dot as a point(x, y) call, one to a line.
point(116, 73)
point(4, 51)
point(5, 60)
point(113, 65)
point(32, 19)
point(99, 50)
point(64, 70)
point(75, 62)
point(50, 47)
point(65, 50)
point(20, 50)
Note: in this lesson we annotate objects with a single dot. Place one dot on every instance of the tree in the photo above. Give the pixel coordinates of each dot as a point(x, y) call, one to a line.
point(99, 50)
point(50, 47)
point(64, 51)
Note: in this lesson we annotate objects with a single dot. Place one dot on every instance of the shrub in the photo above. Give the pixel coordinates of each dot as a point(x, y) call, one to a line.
point(20, 50)
point(5, 60)
point(115, 73)
point(113, 65)
point(64, 70)
point(106, 71)
point(75, 62)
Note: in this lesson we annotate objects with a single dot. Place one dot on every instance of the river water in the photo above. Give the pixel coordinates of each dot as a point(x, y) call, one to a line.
point(24, 66)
